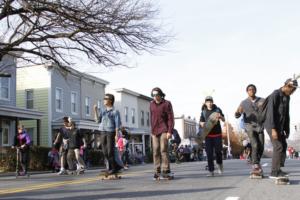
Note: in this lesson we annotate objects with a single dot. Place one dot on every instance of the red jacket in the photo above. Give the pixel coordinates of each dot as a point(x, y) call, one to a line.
point(162, 117)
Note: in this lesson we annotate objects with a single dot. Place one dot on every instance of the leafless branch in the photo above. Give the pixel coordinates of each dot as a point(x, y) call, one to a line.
point(102, 30)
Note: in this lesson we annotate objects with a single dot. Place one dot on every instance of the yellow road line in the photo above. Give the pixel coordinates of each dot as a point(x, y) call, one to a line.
point(57, 184)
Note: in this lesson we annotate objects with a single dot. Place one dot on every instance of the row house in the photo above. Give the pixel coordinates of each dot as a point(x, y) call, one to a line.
point(134, 109)
point(10, 114)
point(58, 92)
point(187, 129)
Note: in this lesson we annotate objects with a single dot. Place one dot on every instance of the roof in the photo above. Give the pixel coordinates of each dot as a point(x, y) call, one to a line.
point(85, 75)
point(145, 97)
point(124, 90)
point(73, 72)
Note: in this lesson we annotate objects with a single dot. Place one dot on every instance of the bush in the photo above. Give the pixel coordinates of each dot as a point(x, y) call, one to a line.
point(96, 157)
point(38, 158)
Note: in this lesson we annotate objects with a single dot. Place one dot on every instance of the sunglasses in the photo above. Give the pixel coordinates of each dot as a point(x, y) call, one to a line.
point(106, 98)
point(155, 94)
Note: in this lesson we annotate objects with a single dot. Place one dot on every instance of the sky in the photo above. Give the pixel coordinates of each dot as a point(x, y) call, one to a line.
point(219, 47)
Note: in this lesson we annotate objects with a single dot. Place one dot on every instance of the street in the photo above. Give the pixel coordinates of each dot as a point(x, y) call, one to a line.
point(190, 183)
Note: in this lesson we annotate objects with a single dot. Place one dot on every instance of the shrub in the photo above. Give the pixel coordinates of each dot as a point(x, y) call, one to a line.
point(39, 158)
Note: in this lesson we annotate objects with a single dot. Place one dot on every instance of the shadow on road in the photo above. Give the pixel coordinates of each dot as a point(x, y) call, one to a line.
point(119, 195)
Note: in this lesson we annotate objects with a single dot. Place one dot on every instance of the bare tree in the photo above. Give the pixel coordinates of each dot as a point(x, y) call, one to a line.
point(100, 31)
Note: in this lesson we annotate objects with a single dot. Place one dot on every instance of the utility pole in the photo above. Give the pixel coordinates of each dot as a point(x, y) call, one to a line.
point(228, 139)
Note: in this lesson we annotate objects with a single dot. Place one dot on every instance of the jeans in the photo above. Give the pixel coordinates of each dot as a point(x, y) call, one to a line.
point(160, 153)
point(279, 151)
point(24, 159)
point(257, 140)
point(213, 144)
point(71, 159)
point(107, 140)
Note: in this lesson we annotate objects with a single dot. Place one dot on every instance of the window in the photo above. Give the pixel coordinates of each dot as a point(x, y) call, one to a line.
point(142, 118)
point(74, 102)
point(5, 136)
point(58, 99)
point(29, 99)
point(148, 119)
point(126, 114)
point(4, 88)
point(87, 106)
point(133, 116)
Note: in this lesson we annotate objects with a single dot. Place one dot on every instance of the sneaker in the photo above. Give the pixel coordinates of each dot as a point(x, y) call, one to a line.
point(62, 172)
point(210, 174)
point(156, 176)
point(168, 176)
point(220, 169)
point(22, 173)
point(278, 174)
point(273, 175)
point(282, 173)
point(260, 167)
point(81, 169)
point(255, 166)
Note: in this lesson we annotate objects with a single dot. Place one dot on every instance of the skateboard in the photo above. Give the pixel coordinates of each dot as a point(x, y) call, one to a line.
point(209, 124)
point(282, 181)
point(104, 175)
point(256, 175)
point(163, 178)
point(77, 172)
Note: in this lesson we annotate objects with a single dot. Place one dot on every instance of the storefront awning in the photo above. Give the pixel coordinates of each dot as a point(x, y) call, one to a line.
point(20, 113)
point(80, 124)
point(138, 131)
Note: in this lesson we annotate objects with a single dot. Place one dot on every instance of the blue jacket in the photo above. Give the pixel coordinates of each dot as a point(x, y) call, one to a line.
point(109, 120)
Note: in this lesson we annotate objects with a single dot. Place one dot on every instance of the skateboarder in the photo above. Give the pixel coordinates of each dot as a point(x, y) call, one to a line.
point(76, 140)
point(22, 142)
point(110, 123)
point(277, 124)
point(61, 140)
point(249, 109)
point(162, 124)
point(213, 141)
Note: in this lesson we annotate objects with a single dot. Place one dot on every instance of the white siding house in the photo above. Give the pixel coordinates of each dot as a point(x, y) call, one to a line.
point(135, 115)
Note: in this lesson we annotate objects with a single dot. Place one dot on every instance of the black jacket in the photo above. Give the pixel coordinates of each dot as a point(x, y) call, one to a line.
point(278, 113)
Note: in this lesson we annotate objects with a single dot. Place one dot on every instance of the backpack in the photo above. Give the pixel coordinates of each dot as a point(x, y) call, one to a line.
point(262, 112)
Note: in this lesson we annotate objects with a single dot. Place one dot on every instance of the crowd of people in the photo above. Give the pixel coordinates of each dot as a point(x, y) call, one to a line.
point(259, 114)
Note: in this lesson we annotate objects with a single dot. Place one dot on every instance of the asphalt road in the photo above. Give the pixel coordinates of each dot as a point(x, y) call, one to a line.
point(190, 183)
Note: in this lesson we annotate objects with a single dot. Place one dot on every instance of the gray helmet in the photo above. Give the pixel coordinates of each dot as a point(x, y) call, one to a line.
point(209, 98)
